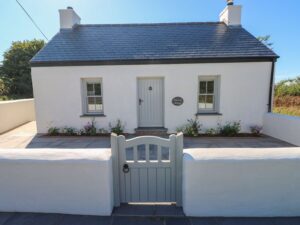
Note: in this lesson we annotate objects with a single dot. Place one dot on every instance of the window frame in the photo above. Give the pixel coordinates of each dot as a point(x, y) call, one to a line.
point(84, 82)
point(216, 94)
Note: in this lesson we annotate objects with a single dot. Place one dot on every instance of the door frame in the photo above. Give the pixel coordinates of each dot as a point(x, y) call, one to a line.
point(163, 97)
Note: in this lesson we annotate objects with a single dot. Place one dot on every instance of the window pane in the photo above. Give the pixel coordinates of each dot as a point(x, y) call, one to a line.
point(141, 152)
point(202, 101)
point(152, 152)
point(97, 87)
point(129, 154)
point(210, 87)
point(90, 89)
point(91, 104)
point(165, 153)
point(98, 103)
point(209, 102)
point(202, 87)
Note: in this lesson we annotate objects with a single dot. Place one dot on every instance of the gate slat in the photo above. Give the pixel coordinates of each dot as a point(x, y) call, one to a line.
point(143, 185)
point(161, 184)
point(152, 192)
point(168, 184)
point(135, 185)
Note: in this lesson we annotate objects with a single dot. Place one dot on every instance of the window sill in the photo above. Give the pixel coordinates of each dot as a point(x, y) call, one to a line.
point(93, 115)
point(208, 114)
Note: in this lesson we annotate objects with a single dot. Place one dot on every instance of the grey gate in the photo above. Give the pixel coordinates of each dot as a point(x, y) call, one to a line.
point(147, 169)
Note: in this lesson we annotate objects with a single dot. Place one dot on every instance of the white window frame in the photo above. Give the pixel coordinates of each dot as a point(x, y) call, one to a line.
point(216, 94)
point(84, 82)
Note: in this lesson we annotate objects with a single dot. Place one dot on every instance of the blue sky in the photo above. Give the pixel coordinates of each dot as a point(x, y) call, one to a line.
point(280, 19)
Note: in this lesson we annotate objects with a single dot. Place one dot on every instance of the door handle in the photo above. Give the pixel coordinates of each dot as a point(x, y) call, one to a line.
point(125, 168)
point(140, 101)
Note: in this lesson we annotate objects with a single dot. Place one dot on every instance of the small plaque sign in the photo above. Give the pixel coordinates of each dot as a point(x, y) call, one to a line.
point(177, 101)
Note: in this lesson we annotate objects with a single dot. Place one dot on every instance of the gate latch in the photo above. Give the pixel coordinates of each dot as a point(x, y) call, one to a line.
point(125, 168)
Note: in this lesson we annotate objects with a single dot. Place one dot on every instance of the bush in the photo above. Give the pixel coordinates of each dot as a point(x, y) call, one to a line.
point(117, 128)
point(89, 129)
point(230, 128)
point(52, 131)
point(211, 132)
point(192, 128)
point(256, 130)
point(70, 131)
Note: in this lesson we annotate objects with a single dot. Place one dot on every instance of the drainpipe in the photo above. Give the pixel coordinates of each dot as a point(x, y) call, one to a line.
point(271, 86)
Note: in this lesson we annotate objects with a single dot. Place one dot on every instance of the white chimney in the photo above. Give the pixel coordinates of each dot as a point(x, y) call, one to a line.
point(232, 14)
point(68, 18)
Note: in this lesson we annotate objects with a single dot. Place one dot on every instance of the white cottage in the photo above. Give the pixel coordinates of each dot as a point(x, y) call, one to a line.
point(152, 75)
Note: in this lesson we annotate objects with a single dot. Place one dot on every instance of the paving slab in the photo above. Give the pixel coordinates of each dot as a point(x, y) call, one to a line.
point(84, 220)
point(4, 217)
point(124, 220)
point(34, 219)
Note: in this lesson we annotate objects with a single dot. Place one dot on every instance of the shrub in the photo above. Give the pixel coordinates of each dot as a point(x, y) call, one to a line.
point(230, 128)
point(70, 131)
point(117, 128)
point(192, 128)
point(103, 131)
point(52, 131)
point(256, 130)
point(89, 129)
point(211, 132)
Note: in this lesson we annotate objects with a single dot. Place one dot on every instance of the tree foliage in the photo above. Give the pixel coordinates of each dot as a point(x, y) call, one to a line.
point(290, 87)
point(15, 73)
point(266, 40)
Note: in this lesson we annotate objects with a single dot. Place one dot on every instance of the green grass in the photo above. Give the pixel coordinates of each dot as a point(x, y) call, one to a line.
point(290, 110)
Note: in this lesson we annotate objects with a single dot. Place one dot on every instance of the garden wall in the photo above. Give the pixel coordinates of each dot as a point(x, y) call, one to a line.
point(241, 182)
point(15, 113)
point(56, 181)
point(284, 127)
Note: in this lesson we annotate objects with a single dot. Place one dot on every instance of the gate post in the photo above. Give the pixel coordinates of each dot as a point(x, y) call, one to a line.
point(115, 168)
point(179, 158)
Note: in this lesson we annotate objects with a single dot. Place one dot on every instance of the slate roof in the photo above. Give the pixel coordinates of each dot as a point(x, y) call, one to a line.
point(134, 43)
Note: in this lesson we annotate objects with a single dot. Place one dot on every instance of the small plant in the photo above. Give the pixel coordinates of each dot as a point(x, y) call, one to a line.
point(69, 131)
point(117, 128)
point(89, 129)
point(192, 128)
point(52, 131)
point(211, 132)
point(230, 128)
point(256, 130)
point(103, 131)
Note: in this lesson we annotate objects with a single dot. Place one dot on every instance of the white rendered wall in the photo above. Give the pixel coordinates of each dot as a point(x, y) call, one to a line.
point(241, 182)
point(15, 113)
point(283, 127)
point(56, 181)
point(244, 89)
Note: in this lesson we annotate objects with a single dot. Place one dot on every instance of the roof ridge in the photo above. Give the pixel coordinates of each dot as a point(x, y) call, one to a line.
point(150, 24)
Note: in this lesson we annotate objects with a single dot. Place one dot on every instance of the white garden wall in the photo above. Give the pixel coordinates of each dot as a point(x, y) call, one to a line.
point(244, 89)
point(56, 181)
point(15, 113)
point(283, 127)
point(241, 182)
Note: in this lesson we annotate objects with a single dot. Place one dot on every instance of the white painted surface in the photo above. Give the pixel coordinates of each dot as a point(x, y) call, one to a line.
point(241, 182)
point(150, 97)
point(15, 113)
point(68, 18)
point(232, 15)
point(244, 89)
point(56, 181)
point(283, 127)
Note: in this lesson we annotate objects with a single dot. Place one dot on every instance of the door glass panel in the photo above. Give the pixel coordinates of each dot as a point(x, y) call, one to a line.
point(129, 154)
point(153, 152)
point(141, 152)
point(165, 154)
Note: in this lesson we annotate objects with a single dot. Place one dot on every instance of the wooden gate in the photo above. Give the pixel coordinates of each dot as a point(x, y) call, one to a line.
point(147, 169)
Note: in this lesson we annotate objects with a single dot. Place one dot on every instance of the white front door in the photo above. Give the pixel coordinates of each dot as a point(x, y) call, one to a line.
point(150, 102)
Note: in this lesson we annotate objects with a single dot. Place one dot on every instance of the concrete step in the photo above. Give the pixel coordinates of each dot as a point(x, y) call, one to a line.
point(152, 131)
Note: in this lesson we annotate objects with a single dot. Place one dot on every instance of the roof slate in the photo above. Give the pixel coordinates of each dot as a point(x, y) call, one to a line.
point(118, 42)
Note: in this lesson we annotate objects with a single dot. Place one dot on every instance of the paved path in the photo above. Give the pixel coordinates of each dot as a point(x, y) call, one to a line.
point(60, 219)
point(25, 137)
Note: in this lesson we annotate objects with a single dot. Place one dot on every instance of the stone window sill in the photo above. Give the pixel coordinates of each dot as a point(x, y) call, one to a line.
point(93, 115)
